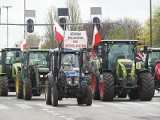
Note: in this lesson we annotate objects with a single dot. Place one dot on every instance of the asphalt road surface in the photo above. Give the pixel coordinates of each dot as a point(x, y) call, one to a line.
point(12, 108)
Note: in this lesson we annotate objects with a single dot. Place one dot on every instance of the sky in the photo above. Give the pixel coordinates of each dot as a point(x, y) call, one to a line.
point(113, 9)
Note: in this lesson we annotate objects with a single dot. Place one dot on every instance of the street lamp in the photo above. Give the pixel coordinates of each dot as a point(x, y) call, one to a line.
point(7, 21)
point(150, 23)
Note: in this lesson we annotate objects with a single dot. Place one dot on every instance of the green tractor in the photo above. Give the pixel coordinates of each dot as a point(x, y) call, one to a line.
point(32, 73)
point(115, 72)
point(10, 61)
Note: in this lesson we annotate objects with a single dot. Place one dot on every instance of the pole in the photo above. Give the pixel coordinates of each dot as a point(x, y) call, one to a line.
point(24, 18)
point(0, 15)
point(150, 23)
point(7, 22)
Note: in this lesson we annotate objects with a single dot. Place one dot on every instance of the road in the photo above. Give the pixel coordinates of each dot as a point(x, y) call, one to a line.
point(12, 108)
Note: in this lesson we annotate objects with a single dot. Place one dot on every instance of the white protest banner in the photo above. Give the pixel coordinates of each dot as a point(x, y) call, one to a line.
point(75, 39)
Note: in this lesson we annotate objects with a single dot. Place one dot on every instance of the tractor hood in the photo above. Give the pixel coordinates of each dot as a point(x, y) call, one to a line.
point(71, 73)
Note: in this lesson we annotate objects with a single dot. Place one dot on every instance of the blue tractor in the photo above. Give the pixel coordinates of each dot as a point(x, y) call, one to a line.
point(66, 79)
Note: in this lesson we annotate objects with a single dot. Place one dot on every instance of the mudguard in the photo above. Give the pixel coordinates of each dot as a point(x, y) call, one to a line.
point(51, 79)
point(157, 71)
point(138, 72)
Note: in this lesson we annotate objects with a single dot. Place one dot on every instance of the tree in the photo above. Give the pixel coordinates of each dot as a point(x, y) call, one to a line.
point(74, 14)
point(50, 38)
point(155, 28)
point(33, 40)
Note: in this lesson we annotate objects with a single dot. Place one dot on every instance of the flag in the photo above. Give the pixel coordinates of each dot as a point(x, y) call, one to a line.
point(23, 45)
point(96, 40)
point(59, 32)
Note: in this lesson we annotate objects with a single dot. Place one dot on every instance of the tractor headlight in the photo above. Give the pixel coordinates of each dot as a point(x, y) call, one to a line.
point(69, 81)
point(76, 80)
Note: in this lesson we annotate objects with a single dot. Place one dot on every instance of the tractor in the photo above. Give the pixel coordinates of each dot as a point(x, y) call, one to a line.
point(67, 79)
point(115, 72)
point(10, 61)
point(31, 76)
point(152, 62)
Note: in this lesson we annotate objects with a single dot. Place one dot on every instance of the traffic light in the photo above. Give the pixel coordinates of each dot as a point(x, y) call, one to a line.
point(96, 21)
point(30, 25)
point(62, 22)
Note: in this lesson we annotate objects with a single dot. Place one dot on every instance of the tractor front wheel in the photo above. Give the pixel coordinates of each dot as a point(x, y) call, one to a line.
point(27, 89)
point(3, 86)
point(48, 93)
point(106, 88)
point(88, 95)
point(146, 92)
point(19, 87)
point(54, 96)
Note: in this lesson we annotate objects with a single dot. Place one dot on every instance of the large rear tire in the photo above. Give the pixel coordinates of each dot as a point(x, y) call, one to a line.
point(134, 94)
point(48, 93)
point(19, 87)
point(146, 92)
point(88, 95)
point(54, 96)
point(27, 89)
point(3, 86)
point(95, 87)
point(107, 87)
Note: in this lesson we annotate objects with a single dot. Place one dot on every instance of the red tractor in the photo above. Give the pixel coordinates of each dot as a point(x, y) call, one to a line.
point(152, 62)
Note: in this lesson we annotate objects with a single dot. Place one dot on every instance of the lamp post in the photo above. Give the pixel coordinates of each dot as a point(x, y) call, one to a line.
point(24, 18)
point(150, 23)
point(7, 21)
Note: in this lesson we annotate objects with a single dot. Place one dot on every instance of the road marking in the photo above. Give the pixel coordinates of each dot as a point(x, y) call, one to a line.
point(62, 116)
point(113, 104)
point(2, 107)
point(132, 103)
point(50, 111)
point(56, 114)
point(69, 118)
point(45, 106)
point(73, 106)
point(153, 114)
point(95, 105)
point(122, 108)
point(24, 106)
point(45, 109)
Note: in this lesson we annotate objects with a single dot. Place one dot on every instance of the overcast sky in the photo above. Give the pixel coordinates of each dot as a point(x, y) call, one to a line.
point(113, 9)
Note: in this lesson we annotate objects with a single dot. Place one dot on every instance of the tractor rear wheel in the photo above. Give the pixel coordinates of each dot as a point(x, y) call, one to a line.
point(48, 93)
point(146, 92)
point(95, 87)
point(19, 87)
point(107, 87)
point(88, 95)
point(27, 89)
point(3, 86)
point(134, 94)
point(54, 96)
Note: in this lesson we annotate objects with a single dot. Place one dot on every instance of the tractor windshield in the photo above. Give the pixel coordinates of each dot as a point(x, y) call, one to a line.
point(154, 56)
point(119, 51)
point(39, 58)
point(11, 57)
point(70, 61)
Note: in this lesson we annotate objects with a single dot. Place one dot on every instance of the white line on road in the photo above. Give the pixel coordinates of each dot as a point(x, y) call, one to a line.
point(132, 103)
point(69, 118)
point(45, 106)
point(113, 104)
point(95, 105)
point(153, 114)
point(24, 106)
point(56, 114)
point(45, 109)
point(62, 116)
point(2, 107)
point(122, 108)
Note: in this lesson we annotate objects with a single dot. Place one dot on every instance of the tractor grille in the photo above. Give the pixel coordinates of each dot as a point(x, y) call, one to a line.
point(128, 66)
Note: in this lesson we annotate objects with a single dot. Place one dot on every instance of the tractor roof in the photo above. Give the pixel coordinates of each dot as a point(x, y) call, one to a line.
point(119, 41)
point(65, 50)
point(11, 49)
point(153, 49)
point(38, 50)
